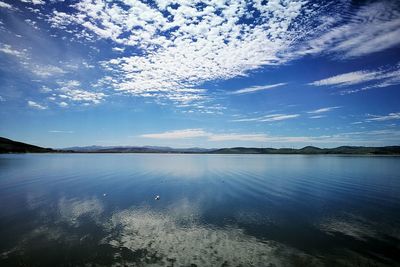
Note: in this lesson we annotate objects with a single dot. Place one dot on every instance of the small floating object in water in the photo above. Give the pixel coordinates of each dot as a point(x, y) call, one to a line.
point(104, 194)
point(157, 197)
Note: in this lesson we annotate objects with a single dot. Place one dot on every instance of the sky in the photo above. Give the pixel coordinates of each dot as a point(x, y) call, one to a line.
point(210, 74)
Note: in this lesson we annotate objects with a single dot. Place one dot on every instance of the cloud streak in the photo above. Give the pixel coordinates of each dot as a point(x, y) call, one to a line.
point(350, 78)
point(390, 116)
point(383, 77)
point(257, 88)
point(269, 118)
point(322, 110)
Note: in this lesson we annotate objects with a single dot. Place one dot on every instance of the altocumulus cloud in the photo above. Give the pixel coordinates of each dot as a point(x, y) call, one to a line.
point(168, 49)
point(215, 40)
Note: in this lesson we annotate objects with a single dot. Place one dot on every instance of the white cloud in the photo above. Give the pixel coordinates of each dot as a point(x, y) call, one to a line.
point(238, 137)
point(5, 5)
point(390, 116)
point(177, 134)
point(45, 89)
point(63, 104)
point(196, 133)
point(317, 117)
point(46, 71)
point(350, 78)
point(81, 95)
point(70, 90)
point(257, 88)
point(35, 105)
point(34, 2)
point(322, 110)
point(387, 78)
point(118, 49)
point(372, 28)
point(383, 77)
point(7, 49)
point(269, 118)
point(184, 45)
point(58, 131)
point(181, 45)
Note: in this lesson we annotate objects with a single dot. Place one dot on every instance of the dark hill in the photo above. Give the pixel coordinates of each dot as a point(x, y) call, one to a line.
point(10, 146)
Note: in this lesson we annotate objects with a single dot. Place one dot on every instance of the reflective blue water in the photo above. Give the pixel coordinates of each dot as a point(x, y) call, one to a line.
point(214, 210)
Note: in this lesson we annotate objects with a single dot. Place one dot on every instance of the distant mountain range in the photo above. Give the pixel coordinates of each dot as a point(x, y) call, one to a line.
point(10, 146)
point(136, 149)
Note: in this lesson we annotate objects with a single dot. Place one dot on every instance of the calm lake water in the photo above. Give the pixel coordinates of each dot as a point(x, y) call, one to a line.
point(214, 210)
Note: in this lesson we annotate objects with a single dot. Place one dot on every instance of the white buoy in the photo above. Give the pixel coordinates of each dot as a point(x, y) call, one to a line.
point(104, 194)
point(157, 197)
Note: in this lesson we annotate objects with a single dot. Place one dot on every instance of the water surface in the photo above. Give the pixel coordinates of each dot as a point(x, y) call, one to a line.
point(214, 210)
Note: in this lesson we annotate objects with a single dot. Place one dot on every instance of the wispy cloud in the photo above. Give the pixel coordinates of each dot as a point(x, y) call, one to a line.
point(35, 105)
point(350, 78)
point(390, 116)
point(383, 77)
point(372, 28)
point(317, 117)
point(322, 110)
point(269, 118)
point(257, 88)
point(387, 78)
point(58, 131)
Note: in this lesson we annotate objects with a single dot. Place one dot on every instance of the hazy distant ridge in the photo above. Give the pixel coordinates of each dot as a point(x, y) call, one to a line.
point(10, 146)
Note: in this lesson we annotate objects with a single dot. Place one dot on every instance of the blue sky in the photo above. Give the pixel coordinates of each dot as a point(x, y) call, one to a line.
point(200, 73)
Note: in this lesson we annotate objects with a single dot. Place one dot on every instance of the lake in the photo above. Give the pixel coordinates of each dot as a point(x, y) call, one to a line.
point(214, 210)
